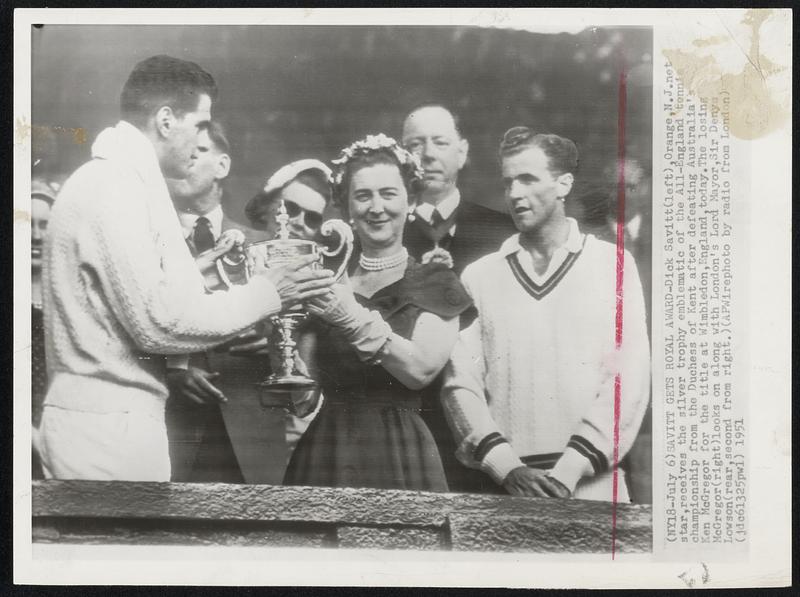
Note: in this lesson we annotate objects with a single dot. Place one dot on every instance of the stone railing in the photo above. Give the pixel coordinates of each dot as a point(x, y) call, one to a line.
point(94, 512)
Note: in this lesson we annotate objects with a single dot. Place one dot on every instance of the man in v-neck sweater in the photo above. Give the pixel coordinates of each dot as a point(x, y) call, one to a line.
point(530, 388)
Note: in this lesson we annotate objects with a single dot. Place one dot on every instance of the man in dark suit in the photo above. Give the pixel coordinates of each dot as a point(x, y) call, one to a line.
point(199, 445)
point(466, 230)
point(444, 218)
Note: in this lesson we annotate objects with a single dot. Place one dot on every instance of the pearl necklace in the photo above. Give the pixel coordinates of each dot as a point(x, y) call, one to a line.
point(376, 264)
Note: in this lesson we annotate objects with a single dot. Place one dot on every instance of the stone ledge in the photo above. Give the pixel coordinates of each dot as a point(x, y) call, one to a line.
point(222, 514)
point(104, 531)
point(545, 534)
point(419, 538)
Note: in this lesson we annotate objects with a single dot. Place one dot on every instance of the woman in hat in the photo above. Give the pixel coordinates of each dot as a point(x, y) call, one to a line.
point(261, 439)
point(305, 187)
point(381, 337)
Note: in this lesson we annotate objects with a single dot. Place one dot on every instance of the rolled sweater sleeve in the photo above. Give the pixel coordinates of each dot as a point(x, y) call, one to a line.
point(155, 291)
point(480, 444)
point(590, 449)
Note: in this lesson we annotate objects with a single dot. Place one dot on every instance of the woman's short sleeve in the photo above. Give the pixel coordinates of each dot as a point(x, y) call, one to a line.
point(436, 289)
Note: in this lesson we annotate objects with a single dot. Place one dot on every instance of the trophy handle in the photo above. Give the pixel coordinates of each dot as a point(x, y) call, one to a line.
point(233, 263)
point(345, 242)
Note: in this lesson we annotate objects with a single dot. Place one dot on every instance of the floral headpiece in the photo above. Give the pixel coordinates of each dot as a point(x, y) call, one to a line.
point(370, 144)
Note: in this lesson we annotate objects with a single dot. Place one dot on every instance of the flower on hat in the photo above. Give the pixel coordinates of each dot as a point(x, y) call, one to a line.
point(371, 144)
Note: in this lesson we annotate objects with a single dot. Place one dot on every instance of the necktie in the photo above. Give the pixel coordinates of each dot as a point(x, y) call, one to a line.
point(436, 218)
point(202, 236)
point(440, 235)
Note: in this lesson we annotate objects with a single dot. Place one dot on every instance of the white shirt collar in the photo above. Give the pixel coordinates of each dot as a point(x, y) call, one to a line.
point(188, 220)
point(446, 206)
point(573, 243)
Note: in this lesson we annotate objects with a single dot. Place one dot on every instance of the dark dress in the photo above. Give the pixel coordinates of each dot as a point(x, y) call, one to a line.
point(368, 432)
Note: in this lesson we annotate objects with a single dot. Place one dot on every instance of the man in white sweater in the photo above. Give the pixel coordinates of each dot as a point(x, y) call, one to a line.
point(530, 389)
point(122, 290)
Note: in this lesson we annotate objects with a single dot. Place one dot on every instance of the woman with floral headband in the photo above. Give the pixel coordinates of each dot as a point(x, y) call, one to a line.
point(381, 337)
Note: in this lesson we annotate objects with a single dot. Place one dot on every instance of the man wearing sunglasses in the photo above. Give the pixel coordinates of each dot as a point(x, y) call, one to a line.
point(543, 392)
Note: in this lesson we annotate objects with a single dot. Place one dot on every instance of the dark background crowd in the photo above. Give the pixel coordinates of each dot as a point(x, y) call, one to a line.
point(290, 92)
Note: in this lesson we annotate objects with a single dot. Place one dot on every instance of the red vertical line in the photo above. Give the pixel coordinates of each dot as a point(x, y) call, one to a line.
point(622, 100)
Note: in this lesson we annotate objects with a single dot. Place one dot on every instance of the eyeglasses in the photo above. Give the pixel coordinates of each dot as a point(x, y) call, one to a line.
point(515, 136)
point(312, 219)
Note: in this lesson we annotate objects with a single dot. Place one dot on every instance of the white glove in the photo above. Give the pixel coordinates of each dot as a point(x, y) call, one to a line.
point(366, 330)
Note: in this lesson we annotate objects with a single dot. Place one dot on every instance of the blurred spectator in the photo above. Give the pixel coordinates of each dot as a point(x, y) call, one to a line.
point(598, 211)
point(599, 215)
point(43, 193)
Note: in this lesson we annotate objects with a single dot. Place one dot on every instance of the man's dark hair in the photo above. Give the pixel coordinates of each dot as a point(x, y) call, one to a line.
point(562, 153)
point(216, 132)
point(443, 106)
point(164, 81)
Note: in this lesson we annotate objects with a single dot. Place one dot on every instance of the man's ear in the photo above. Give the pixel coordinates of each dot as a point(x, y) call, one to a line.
point(223, 166)
point(565, 182)
point(165, 121)
point(463, 151)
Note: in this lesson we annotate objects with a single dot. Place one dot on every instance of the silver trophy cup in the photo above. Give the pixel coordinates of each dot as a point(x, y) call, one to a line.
point(281, 251)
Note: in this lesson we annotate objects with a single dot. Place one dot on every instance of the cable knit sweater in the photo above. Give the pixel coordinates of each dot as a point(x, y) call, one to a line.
point(121, 287)
point(534, 375)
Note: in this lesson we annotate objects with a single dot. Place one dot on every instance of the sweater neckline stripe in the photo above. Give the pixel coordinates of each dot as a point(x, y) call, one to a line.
point(538, 291)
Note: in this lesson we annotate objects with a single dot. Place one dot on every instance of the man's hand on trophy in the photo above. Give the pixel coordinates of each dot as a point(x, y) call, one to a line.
point(296, 282)
point(230, 241)
point(195, 384)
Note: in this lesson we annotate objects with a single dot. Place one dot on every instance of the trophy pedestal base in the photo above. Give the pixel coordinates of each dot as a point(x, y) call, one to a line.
point(287, 383)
